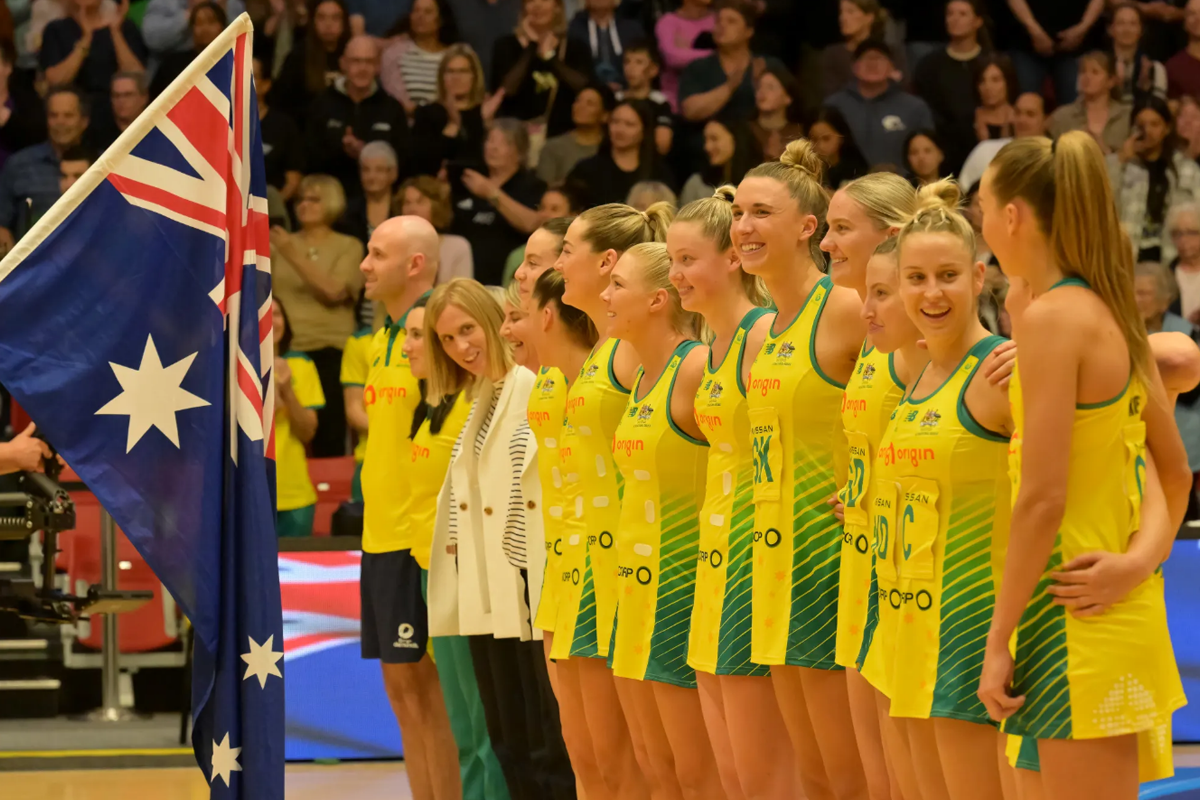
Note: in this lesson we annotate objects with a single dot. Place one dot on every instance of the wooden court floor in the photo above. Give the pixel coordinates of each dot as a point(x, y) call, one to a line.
point(349, 781)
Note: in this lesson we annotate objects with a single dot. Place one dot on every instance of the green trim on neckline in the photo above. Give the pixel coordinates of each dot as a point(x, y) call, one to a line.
point(984, 346)
point(1110, 401)
point(685, 347)
point(827, 282)
point(771, 334)
point(1071, 280)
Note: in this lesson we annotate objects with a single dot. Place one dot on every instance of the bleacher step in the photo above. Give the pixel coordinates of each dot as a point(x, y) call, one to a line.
point(29, 698)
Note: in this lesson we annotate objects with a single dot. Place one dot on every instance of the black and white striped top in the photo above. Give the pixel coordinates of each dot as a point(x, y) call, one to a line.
point(419, 69)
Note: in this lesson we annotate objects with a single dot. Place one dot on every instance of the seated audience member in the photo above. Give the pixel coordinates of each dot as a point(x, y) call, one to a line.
point(948, 78)
point(1098, 110)
point(497, 211)
point(880, 113)
point(858, 21)
point(676, 33)
point(1138, 73)
point(923, 158)
point(410, 65)
point(283, 146)
point(314, 62)
point(589, 113)
point(129, 98)
point(378, 171)
point(557, 203)
point(315, 273)
point(29, 182)
point(627, 156)
point(350, 113)
point(1056, 34)
point(1187, 125)
point(75, 161)
point(299, 398)
point(453, 128)
point(732, 150)
point(834, 142)
point(22, 118)
point(1183, 226)
point(775, 98)
point(166, 25)
point(206, 20)
point(647, 193)
point(607, 37)
point(87, 48)
point(540, 69)
point(995, 93)
point(1183, 68)
point(1149, 176)
point(1029, 119)
point(427, 198)
point(641, 68)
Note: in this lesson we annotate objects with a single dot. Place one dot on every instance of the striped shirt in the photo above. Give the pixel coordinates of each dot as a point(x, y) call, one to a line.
point(419, 68)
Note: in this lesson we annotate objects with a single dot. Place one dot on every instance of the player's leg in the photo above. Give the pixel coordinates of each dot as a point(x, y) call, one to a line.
point(650, 744)
point(927, 763)
point(1098, 769)
point(828, 704)
point(576, 733)
point(865, 717)
point(762, 749)
point(899, 756)
point(712, 705)
point(683, 722)
point(789, 694)
point(968, 754)
point(609, 731)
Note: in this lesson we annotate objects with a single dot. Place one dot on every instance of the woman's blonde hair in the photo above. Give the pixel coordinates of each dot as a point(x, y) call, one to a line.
point(616, 226)
point(714, 215)
point(329, 189)
point(654, 268)
point(477, 80)
point(886, 198)
point(446, 377)
point(1066, 184)
point(937, 211)
point(801, 170)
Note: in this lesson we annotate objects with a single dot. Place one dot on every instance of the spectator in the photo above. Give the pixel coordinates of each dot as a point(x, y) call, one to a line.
point(1149, 176)
point(677, 33)
point(283, 147)
point(626, 157)
point(858, 20)
point(1029, 119)
point(1099, 110)
point(1139, 75)
point(540, 70)
point(647, 193)
point(732, 150)
point(314, 272)
point(1183, 225)
point(1187, 126)
point(425, 197)
point(206, 20)
point(75, 161)
point(353, 111)
point(87, 48)
point(556, 203)
point(947, 79)
point(642, 66)
point(22, 119)
point(376, 17)
point(995, 93)
point(589, 112)
point(29, 183)
point(454, 128)
point(607, 37)
point(835, 144)
point(879, 112)
point(166, 25)
point(299, 397)
point(1056, 34)
point(923, 158)
point(495, 212)
point(1183, 68)
point(482, 24)
point(378, 171)
point(129, 99)
point(411, 63)
point(315, 60)
point(775, 98)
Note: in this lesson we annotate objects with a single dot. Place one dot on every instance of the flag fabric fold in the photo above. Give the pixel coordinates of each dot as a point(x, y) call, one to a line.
point(135, 328)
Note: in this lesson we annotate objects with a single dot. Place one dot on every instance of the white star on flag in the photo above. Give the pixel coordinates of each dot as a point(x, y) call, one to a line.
point(152, 395)
point(262, 661)
point(224, 760)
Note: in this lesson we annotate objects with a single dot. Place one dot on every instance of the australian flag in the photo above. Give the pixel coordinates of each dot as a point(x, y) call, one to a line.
point(135, 328)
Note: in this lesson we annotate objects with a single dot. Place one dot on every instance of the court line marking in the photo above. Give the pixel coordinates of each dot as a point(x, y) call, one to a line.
point(162, 751)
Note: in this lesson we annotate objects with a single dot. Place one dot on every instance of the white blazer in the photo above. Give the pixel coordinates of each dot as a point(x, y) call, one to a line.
point(480, 591)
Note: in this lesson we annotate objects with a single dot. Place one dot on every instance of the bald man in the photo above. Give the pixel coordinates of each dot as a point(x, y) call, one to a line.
point(352, 111)
point(447, 749)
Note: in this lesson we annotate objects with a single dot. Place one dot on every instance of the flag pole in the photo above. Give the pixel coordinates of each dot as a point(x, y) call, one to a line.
point(110, 672)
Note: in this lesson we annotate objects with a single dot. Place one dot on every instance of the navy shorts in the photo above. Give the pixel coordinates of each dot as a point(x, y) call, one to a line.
point(395, 619)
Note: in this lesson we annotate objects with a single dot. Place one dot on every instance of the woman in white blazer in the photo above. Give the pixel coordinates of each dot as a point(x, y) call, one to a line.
point(487, 562)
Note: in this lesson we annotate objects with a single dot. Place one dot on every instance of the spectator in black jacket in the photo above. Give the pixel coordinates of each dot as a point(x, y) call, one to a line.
point(454, 127)
point(627, 156)
point(314, 62)
point(22, 120)
point(352, 112)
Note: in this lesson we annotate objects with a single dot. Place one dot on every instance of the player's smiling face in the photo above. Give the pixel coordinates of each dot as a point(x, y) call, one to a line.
point(700, 272)
point(939, 283)
point(851, 239)
point(888, 325)
point(768, 226)
point(414, 343)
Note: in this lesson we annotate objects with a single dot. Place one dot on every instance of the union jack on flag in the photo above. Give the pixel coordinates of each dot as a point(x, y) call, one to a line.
point(135, 327)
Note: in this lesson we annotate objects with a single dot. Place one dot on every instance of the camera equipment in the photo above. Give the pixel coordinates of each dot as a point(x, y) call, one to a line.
point(41, 504)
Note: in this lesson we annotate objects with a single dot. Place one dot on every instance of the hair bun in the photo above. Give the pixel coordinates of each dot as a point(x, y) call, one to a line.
point(944, 195)
point(725, 193)
point(801, 155)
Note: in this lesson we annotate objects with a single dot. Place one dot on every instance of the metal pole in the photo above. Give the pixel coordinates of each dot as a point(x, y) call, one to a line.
point(110, 675)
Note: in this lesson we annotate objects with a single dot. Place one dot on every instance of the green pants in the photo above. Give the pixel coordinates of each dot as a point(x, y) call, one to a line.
point(481, 775)
point(297, 522)
point(356, 483)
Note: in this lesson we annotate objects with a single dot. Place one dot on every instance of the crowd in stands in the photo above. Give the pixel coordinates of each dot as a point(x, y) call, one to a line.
point(487, 117)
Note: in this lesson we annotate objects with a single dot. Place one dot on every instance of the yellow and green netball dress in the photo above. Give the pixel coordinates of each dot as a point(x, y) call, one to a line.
point(1113, 674)
point(425, 473)
point(547, 404)
point(588, 603)
point(660, 534)
point(941, 512)
point(720, 630)
point(870, 398)
point(799, 461)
